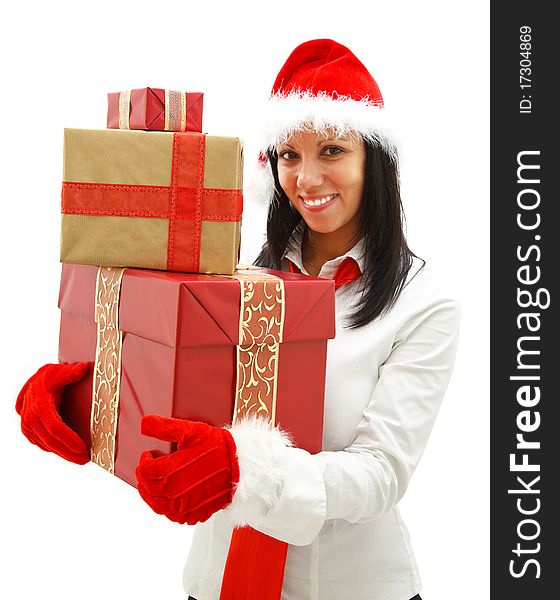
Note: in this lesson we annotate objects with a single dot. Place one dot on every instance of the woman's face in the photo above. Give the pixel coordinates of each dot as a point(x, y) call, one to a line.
point(323, 177)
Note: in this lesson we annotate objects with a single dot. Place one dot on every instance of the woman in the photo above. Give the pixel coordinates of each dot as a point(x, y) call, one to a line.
point(331, 178)
point(335, 212)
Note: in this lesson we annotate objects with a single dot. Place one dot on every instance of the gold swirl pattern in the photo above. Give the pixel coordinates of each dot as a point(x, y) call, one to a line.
point(261, 324)
point(107, 368)
point(124, 109)
point(175, 111)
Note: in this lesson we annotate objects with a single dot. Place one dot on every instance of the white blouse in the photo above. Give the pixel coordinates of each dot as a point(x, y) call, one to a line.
point(338, 509)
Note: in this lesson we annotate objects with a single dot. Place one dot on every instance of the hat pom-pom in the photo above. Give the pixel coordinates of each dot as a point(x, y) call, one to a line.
point(260, 187)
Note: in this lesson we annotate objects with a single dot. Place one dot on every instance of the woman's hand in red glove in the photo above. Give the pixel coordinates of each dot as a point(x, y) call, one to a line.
point(198, 479)
point(38, 404)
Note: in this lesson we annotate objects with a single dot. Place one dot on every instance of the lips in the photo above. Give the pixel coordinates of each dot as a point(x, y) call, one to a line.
point(318, 202)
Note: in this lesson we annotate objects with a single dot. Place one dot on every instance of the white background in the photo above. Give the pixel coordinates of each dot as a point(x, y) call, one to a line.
point(70, 532)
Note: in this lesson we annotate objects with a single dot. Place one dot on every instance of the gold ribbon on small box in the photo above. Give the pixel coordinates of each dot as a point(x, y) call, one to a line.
point(261, 324)
point(107, 368)
point(124, 109)
point(175, 111)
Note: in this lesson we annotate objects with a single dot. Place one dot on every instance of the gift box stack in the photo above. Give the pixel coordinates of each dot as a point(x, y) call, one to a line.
point(150, 294)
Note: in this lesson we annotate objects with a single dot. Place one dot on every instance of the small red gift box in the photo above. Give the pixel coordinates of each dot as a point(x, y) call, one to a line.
point(155, 109)
point(192, 346)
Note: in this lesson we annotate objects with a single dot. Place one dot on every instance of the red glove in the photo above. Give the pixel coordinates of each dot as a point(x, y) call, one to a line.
point(38, 404)
point(192, 483)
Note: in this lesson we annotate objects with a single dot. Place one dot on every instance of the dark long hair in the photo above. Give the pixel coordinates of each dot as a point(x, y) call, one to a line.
point(387, 257)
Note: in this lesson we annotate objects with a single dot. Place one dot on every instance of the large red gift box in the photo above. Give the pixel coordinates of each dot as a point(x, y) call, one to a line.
point(184, 345)
point(155, 109)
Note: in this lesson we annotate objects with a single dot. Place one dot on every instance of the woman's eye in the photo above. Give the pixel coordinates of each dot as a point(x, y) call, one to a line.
point(332, 151)
point(286, 154)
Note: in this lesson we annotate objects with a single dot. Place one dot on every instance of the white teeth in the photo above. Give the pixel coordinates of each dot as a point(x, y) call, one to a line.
point(319, 201)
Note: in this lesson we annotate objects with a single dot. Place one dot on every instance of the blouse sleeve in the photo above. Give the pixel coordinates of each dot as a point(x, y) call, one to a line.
point(366, 479)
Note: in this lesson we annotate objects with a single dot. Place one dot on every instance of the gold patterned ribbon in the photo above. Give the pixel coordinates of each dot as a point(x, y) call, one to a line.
point(124, 109)
point(107, 368)
point(175, 111)
point(261, 324)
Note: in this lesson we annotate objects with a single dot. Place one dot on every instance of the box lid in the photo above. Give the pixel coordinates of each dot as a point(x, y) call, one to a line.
point(189, 309)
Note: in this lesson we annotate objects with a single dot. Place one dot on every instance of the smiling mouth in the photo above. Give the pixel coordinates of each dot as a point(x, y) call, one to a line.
point(318, 201)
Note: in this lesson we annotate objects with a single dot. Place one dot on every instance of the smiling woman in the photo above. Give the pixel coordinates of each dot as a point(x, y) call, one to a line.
point(329, 171)
point(377, 222)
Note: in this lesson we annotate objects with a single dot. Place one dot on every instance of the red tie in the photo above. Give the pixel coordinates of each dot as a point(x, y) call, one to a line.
point(347, 272)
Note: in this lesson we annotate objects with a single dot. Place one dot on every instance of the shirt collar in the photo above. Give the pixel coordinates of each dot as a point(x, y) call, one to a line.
point(293, 253)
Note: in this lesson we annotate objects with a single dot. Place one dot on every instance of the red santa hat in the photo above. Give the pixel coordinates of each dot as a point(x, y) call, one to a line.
point(322, 87)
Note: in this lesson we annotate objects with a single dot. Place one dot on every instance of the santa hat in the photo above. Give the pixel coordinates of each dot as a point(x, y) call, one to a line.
point(322, 87)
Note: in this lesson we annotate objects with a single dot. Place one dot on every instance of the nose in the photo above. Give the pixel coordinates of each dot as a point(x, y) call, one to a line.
point(310, 174)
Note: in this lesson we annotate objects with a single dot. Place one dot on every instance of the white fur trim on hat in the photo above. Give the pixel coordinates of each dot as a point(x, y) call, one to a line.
point(323, 113)
point(261, 452)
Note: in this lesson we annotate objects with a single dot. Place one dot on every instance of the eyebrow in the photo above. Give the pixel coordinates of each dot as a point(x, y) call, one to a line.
point(324, 141)
point(333, 139)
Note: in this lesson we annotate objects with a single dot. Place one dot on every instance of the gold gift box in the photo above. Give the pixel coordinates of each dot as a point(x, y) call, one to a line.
point(153, 200)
